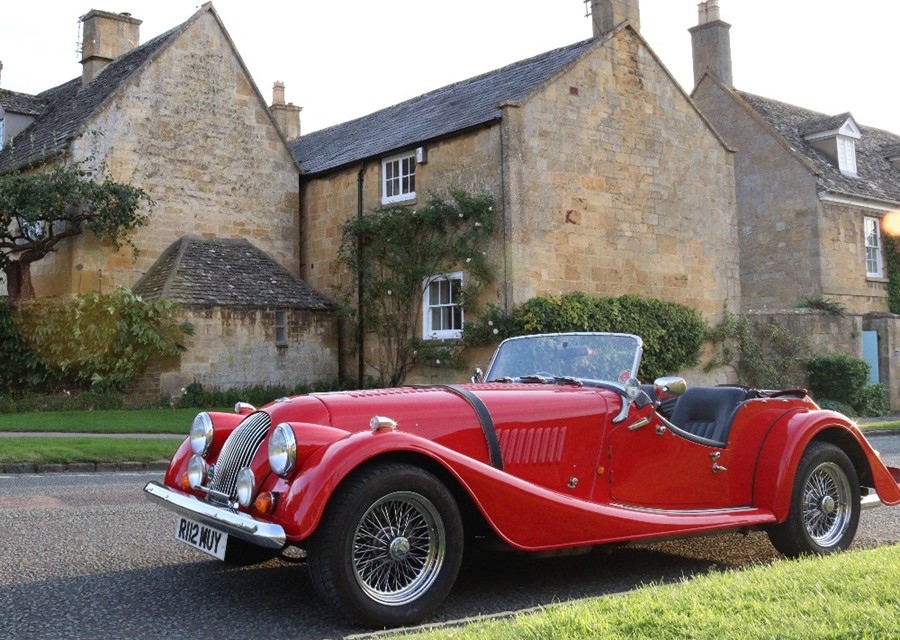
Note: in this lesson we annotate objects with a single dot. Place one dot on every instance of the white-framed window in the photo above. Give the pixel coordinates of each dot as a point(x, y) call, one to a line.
point(2, 132)
point(398, 178)
point(874, 260)
point(846, 151)
point(280, 328)
point(442, 307)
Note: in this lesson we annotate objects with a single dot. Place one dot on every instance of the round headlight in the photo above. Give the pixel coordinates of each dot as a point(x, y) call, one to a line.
point(196, 471)
point(245, 487)
point(201, 434)
point(282, 449)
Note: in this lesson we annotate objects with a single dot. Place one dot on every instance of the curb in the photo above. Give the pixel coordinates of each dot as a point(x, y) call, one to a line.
point(84, 467)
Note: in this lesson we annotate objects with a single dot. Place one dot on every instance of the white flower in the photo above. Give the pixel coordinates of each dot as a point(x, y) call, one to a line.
point(468, 259)
point(491, 208)
point(496, 331)
point(389, 292)
point(477, 224)
point(490, 323)
point(460, 215)
point(437, 361)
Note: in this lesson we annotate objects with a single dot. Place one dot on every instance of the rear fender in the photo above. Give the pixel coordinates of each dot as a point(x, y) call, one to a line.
point(785, 443)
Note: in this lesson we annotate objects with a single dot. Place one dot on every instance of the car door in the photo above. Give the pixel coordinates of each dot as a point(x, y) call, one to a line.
point(652, 466)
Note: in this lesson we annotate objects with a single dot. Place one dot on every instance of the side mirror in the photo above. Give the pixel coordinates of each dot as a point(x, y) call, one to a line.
point(477, 375)
point(670, 385)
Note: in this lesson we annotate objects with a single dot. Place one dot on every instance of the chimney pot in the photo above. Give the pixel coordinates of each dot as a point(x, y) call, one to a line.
point(278, 92)
point(287, 116)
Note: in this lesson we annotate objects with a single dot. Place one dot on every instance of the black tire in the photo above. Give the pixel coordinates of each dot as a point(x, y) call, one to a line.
point(825, 505)
point(389, 546)
point(241, 552)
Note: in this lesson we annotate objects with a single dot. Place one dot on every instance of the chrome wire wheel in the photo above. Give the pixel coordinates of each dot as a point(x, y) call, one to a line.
point(826, 507)
point(398, 548)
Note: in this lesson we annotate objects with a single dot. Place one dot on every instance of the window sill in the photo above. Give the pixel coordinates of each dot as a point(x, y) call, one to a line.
point(881, 279)
point(402, 200)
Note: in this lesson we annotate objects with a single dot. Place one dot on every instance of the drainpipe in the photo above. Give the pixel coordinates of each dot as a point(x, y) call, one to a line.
point(361, 323)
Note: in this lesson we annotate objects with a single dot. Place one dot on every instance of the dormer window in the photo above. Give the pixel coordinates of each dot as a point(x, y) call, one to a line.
point(836, 137)
point(846, 148)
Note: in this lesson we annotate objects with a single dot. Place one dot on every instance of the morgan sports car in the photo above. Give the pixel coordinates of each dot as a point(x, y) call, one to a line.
point(556, 448)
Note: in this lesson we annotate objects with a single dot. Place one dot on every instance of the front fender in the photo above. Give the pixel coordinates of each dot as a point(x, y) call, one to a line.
point(785, 443)
point(308, 491)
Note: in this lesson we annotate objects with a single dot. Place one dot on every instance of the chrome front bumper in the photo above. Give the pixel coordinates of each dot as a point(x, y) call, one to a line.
point(234, 523)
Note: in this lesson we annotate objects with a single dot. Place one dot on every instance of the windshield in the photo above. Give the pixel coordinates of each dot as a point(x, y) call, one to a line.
point(610, 357)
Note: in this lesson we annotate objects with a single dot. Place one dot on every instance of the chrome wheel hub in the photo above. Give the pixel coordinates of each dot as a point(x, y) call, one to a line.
point(826, 504)
point(398, 548)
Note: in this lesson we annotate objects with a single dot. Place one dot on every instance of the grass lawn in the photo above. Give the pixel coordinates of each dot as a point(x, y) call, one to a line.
point(112, 421)
point(847, 595)
point(67, 450)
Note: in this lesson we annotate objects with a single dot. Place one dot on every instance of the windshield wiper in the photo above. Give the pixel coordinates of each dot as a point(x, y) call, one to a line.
point(551, 379)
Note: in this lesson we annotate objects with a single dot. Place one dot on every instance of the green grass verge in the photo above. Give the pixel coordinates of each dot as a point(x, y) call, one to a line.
point(874, 427)
point(109, 421)
point(848, 595)
point(67, 450)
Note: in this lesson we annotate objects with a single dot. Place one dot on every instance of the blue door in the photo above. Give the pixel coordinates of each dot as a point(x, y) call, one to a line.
point(870, 354)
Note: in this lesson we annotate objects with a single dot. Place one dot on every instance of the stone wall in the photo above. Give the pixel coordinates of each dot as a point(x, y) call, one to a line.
point(844, 278)
point(191, 130)
point(777, 206)
point(236, 348)
point(618, 185)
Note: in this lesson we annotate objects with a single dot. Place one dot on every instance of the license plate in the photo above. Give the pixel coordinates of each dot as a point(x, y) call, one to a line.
point(201, 537)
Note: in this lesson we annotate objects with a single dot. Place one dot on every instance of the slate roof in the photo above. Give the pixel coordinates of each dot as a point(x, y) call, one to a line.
point(26, 104)
point(878, 178)
point(69, 105)
point(198, 271)
point(451, 109)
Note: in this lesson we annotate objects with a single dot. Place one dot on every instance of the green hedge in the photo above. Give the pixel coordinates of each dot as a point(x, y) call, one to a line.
point(672, 333)
point(844, 379)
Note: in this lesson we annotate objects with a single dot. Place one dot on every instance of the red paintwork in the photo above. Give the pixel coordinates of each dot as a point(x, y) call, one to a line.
point(566, 465)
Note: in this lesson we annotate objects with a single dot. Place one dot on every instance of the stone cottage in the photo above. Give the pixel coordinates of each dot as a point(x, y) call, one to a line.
point(180, 117)
point(811, 190)
point(607, 177)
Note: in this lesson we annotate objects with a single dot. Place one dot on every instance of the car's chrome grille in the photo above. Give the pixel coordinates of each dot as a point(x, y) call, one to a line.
point(237, 452)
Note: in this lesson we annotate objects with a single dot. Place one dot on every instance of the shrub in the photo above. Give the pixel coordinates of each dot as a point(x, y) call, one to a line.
point(196, 396)
point(672, 333)
point(98, 341)
point(837, 376)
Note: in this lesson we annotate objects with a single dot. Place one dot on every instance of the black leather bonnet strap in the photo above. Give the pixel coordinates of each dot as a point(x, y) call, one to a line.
point(484, 417)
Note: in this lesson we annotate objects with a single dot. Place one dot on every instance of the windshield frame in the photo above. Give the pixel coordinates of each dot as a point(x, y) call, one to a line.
point(619, 383)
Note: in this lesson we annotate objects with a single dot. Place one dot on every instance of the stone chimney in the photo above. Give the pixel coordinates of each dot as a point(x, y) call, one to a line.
point(711, 44)
point(286, 115)
point(105, 37)
point(606, 15)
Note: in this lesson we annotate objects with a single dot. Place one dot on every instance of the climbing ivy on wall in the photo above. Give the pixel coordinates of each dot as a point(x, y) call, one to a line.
point(892, 267)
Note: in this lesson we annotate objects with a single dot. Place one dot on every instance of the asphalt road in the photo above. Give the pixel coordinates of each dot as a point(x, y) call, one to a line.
point(87, 556)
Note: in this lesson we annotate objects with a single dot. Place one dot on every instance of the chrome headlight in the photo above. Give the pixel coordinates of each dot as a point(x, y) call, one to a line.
point(282, 449)
point(245, 487)
point(201, 434)
point(196, 471)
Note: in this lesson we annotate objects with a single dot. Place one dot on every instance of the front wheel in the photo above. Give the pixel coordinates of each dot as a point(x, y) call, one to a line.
point(824, 512)
point(389, 546)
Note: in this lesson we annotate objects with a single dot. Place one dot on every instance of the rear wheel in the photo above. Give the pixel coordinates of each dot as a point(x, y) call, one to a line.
point(824, 512)
point(389, 546)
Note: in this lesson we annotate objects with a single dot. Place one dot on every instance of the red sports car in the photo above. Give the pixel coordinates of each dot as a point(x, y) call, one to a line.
point(559, 448)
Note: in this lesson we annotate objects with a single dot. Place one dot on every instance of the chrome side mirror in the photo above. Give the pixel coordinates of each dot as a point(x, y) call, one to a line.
point(670, 385)
point(477, 375)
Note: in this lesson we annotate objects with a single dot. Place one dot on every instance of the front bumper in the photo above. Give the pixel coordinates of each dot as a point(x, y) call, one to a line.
point(234, 523)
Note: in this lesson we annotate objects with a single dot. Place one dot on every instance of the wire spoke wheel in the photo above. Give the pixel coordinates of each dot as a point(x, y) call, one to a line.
point(826, 504)
point(398, 548)
point(824, 510)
